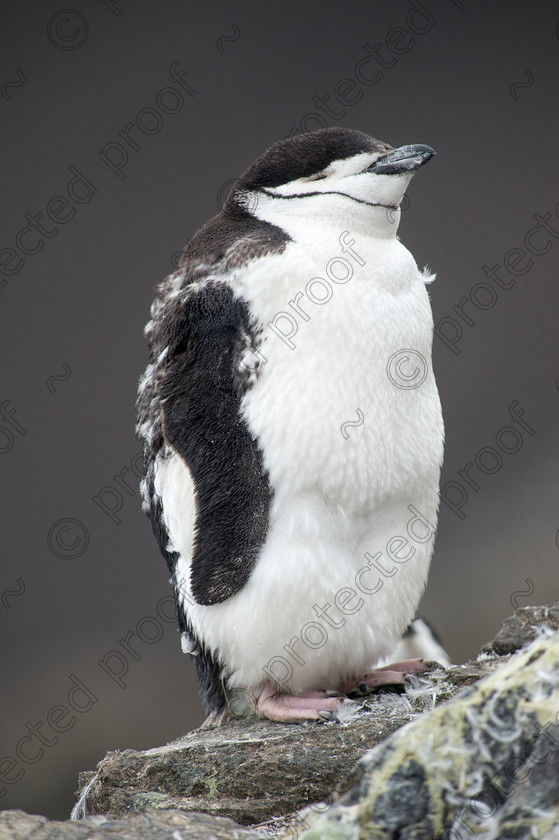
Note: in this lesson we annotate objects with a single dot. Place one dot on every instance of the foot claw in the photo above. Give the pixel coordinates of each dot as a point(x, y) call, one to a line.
point(328, 717)
point(359, 690)
point(432, 665)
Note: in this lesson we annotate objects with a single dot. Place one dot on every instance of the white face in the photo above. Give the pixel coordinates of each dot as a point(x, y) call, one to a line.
point(343, 190)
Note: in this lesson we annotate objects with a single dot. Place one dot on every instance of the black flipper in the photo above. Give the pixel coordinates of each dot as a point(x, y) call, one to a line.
point(196, 338)
point(200, 398)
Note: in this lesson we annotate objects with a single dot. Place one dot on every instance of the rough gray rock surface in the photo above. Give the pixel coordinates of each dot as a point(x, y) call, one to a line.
point(150, 825)
point(406, 766)
point(523, 627)
point(259, 770)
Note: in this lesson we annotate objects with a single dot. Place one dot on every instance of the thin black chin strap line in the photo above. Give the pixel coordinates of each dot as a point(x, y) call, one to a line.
point(329, 192)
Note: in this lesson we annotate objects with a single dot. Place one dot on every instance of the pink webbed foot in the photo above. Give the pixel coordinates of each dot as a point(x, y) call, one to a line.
point(290, 708)
point(388, 676)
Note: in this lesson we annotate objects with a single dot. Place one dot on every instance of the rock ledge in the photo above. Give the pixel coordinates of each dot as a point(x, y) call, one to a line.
point(479, 753)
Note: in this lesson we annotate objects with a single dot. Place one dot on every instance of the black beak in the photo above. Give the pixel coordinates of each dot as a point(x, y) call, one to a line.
point(404, 159)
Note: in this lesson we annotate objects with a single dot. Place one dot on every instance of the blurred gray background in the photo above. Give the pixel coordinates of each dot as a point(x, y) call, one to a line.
point(79, 260)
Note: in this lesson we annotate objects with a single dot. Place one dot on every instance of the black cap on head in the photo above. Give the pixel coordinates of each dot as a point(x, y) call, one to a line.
point(305, 155)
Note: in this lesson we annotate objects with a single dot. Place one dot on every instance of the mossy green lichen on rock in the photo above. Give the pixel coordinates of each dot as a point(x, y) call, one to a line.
point(143, 801)
point(457, 771)
point(212, 785)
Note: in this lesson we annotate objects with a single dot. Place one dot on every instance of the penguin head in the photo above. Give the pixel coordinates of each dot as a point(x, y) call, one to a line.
point(333, 175)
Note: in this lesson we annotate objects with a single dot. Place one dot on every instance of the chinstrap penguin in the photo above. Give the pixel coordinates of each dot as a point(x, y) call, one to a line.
point(298, 539)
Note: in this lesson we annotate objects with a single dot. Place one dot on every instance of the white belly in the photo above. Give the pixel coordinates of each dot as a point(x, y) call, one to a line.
point(316, 607)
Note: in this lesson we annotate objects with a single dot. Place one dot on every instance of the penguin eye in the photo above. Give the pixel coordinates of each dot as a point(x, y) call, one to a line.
point(318, 177)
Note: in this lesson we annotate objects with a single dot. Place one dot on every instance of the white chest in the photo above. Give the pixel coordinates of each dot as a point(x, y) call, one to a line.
point(346, 400)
